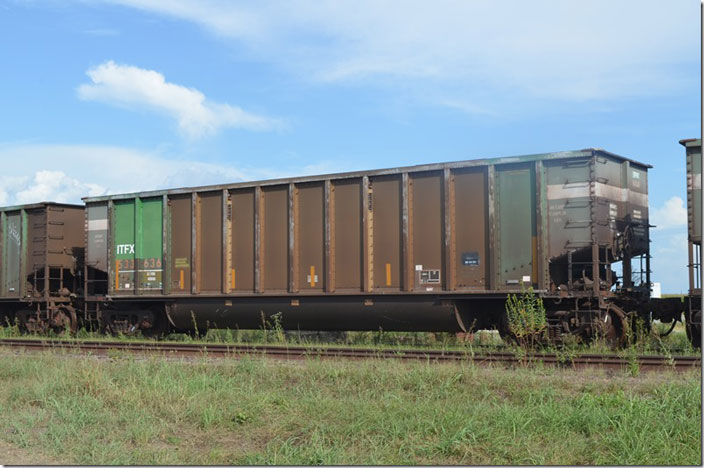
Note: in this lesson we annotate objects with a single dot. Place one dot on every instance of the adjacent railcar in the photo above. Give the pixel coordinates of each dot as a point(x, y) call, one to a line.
point(693, 312)
point(40, 256)
point(429, 248)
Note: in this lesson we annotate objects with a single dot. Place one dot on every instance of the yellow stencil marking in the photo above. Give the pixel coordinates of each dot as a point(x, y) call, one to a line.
point(117, 274)
point(180, 280)
point(232, 279)
point(388, 274)
point(312, 276)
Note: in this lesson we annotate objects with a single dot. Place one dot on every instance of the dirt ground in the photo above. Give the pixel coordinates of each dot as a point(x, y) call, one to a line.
point(13, 455)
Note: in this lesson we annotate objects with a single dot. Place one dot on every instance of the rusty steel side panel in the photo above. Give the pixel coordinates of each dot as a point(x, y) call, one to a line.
point(274, 238)
point(516, 226)
point(37, 254)
point(347, 234)
point(621, 196)
point(471, 228)
point(71, 241)
point(386, 231)
point(180, 246)
point(611, 198)
point(637, 196)
point(39, 242)
point(569, 215)
point(309, 232)
point(694, 191)
point(427, 230)
point(242, 274)
point(209, 250)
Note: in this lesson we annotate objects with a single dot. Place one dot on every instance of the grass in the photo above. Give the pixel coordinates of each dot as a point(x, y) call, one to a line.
point(82, 410)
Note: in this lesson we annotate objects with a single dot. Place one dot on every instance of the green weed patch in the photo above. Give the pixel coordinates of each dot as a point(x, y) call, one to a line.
point(81, 410)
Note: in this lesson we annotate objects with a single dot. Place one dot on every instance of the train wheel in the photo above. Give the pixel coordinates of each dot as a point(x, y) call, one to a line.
point(613, 327)
point(158, 327)
point(65, 319)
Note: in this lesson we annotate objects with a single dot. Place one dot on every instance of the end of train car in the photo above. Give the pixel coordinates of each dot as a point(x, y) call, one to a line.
point(693, 312)
point(41, 253)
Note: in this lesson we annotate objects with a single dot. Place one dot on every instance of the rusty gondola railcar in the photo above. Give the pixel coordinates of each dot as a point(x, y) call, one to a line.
point(693, 312)
point(434, 247)
point(41, 252)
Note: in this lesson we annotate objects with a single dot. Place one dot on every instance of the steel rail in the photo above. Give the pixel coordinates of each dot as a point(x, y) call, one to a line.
point(302, 352)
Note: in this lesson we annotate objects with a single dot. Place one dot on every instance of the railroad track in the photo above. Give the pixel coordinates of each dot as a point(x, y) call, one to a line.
point(303, 352)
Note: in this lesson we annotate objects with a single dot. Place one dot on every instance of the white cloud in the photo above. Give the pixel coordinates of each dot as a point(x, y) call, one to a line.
point(54, 186)
point(540, 50)
point(97, 170)
point(672, 214)
point(133, 88)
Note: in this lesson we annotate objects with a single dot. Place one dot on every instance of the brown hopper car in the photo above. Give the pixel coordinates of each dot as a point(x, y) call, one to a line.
point(41, 264)
point(435, 247)
point(693, 312)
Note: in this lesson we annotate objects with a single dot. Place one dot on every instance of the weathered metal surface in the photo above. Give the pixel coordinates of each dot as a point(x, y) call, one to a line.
point(38, 256)
point(123, 246)
point(242, 240)
point(317, 312)
point(386, 232)
point(427, 229)
point(13, 254)
point(180, 245)
point(347, 234)
point(96, 257)
point(40, 247)
point(459, 228)
point(274, 226)
point(693, 312)
point(694, 189)
point(310, 236)
point(516, 226)
point(471, 214)
point(149, 245)
point(209, 258)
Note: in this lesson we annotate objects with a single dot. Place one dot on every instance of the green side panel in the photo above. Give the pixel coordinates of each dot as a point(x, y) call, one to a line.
point(150, 230)
point(13, 254)
point(516, 227)
point(24, 252)
point(123, 246)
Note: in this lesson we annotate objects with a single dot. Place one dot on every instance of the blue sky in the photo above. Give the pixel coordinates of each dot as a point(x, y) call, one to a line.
point(124, 95)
